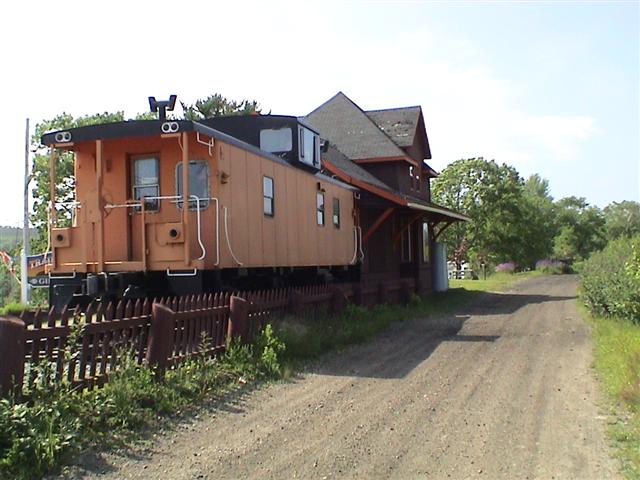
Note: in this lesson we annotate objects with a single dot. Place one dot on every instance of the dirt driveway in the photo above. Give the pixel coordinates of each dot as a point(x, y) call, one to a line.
point(503, 389)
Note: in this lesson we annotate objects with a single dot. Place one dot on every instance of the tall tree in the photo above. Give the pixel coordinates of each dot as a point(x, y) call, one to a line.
point(538, 224)
point(581, 229)
point(491, 194)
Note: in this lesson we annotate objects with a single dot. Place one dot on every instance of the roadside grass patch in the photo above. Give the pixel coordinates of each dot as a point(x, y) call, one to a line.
point(54, 422)
point(308, 337)
point(617, 361)
point(496, 282)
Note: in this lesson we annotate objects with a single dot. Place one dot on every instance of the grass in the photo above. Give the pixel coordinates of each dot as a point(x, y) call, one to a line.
point(493, 283)
point(617, 361)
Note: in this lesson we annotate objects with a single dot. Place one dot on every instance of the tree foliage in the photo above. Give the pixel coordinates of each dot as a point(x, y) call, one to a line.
point(622, 219)
point(491, 194)
point(581, 229)
point(518, 221)
point(217, 106)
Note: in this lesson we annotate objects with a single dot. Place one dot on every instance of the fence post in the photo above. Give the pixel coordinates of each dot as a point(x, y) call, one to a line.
point(296, 302)
point(338, 300)
point(239, 319)
point(12, 338)
point(160, 340)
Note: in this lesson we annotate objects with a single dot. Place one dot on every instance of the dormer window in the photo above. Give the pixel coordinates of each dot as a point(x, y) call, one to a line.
point(276, 140)
point(309, 147)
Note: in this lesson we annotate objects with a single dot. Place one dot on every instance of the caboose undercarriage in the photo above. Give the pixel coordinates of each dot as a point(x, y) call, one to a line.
point(81, 288)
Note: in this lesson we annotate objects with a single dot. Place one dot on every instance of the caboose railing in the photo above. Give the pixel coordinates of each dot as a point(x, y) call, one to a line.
point(177, 199)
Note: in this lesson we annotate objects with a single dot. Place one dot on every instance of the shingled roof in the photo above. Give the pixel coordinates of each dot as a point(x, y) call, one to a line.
point(338, 159)
point(356, 135)
point(399, 124)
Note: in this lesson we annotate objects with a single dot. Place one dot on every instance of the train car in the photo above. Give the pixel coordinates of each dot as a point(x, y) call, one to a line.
point(251, 212)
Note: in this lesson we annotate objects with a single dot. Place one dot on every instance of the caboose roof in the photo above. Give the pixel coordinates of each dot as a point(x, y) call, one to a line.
point(150, 128)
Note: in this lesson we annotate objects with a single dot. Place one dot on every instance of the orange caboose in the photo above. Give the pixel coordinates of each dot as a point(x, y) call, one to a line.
point(258, 211)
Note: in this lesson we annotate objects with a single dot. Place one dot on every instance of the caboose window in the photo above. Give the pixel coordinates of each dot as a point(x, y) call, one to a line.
point(336, 212)
point(198, 183)
point(320, 208)
point(267, 194)
point(145, 181)
point(309, 146)
point(276, 140)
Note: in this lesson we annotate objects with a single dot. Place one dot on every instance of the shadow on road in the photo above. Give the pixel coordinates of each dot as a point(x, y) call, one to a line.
point(405, 345)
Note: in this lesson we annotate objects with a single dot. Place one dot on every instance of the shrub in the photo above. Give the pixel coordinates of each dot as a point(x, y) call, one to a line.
point(508, 267)
point(54, 420)
point(13, 308)
point(610, 284)
point(554, 267)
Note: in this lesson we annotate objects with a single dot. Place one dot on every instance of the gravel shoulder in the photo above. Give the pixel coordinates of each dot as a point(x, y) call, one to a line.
point(501, 389)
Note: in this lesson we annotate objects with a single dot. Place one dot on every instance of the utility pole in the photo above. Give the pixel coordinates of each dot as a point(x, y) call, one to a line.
point(24, 279)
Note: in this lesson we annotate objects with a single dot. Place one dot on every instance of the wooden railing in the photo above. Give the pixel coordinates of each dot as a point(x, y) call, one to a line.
point(84, 346)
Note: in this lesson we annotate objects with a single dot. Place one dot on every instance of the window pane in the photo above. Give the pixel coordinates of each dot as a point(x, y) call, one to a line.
point(276, 140)
point(320, 208)
point(198, 183)
point(425, 242)
point(145, 171)
point(336, 212)
point(145, 181)
point(308, 144)
point(268, 206)
point(267, 185)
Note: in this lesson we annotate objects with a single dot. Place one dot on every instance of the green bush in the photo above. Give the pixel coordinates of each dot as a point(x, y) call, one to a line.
point(53, 420)
point(611, 282)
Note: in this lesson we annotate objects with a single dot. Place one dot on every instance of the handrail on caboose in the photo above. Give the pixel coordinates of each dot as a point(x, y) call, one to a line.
point(178, 199)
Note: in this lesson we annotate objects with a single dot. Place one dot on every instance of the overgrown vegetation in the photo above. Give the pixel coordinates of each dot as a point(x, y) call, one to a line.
point(55, 421)
point(611, 292)
point(309, 337)
point(611, 280)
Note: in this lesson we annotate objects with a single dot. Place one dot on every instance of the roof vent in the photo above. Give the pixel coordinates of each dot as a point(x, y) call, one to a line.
point(161, 106)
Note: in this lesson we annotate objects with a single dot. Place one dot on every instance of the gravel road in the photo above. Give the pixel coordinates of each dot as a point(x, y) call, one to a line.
point(502, 389)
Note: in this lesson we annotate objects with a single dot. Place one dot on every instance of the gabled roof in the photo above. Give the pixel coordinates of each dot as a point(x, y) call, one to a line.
point(355, 135)
point(400, 124)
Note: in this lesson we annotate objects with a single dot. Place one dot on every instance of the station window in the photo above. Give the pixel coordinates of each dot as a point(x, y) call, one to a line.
point(425, 242)
point(145, 182)
point(267, 195)
point(320, 208)
point(198, 183)
point(405, 247)
point(336, 212)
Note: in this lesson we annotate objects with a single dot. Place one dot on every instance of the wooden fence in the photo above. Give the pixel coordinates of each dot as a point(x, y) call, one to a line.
point(84, 346)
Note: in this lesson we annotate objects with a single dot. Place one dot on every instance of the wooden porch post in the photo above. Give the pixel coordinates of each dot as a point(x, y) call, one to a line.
point(185, 197)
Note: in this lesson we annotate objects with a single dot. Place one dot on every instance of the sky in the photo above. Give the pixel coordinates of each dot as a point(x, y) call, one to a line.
point(548, 87)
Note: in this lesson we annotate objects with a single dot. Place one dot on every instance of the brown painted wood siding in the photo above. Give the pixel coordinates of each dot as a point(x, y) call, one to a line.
point(290, 238)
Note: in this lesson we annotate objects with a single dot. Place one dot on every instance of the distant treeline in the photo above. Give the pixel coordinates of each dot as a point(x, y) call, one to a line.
point(518, 221)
